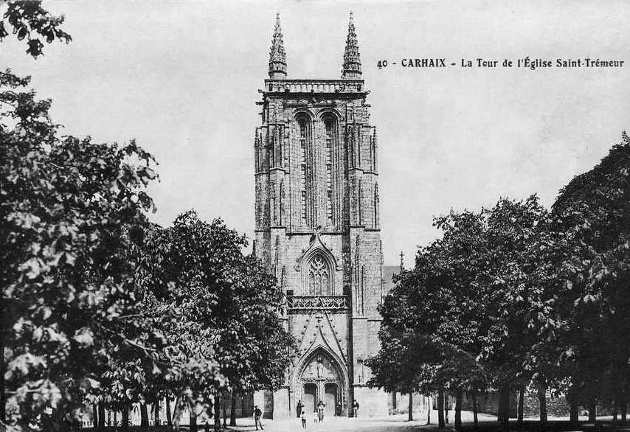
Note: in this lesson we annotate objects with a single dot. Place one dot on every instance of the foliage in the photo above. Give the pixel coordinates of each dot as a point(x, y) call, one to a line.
point(98, 305)
point(27, 20)
point(431, 318)
point(516, 295)
point(461, 306)
point(594, 212)
point(218, 310)
point(66, 203)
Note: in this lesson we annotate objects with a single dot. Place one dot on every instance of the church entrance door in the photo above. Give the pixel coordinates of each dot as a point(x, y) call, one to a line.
point(310, 398)
point(330, 398)
point(321, 380)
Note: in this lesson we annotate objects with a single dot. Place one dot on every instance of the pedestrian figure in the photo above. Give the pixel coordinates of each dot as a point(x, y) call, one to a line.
point(299, 408)
point(338, 409)
point(355, 408)
point(257, 416)
point(320, 411)
point(303, 417)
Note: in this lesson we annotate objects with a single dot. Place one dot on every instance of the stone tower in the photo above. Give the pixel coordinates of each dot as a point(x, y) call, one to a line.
point(317, 230)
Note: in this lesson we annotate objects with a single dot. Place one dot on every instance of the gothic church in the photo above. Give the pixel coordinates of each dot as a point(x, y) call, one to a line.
point(317, 230)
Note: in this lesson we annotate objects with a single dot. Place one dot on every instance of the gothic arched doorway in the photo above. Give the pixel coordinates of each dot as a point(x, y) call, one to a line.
point(331, 396)
point(321, 379)
point(309, 398)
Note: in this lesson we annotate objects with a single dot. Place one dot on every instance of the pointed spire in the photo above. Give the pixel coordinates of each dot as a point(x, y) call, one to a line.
point(351, 59)
point(277, 57)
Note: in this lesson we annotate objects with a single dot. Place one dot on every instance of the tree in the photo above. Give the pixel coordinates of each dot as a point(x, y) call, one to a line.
point(66, 205)
point(28, 21)
point(226, 311)
point(593, 211)
point(516, 300)
point(471, 310)
point(431, 319)
point(515, 296)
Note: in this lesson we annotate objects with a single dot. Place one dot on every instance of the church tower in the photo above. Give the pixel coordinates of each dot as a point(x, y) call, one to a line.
point(317, 230)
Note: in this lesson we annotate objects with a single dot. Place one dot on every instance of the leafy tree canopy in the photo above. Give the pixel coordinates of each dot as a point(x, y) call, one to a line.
point(66, 205)
point(28, 21)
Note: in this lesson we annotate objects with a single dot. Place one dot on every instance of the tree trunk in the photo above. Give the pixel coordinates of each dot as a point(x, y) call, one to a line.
point(574, 412)
point(193, 419)
point(95, 416)
point(592, 410)
point(410, 417)
point(440, 407)
point(233, 410)
point(169, 420)
point(474, 401)
point(144, 417)
point(504, 407)
point(624, 408)
point(101, 417)
point(446, 397)
point(156, 413)
point(615, 408)
point(125, 419)
point(115, 420)
point(177, 413)
point(542, 399)
point(217, 413)
point(521, 404)
point(224, 411)
point(574, 409)
point(3, 394)
point(458, 408)
point(429, 407)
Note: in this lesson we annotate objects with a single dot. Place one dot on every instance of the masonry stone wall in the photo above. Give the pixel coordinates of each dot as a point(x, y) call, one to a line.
point(317, 201)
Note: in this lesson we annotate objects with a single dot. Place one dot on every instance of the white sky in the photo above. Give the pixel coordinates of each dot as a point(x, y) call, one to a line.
point(182, 78)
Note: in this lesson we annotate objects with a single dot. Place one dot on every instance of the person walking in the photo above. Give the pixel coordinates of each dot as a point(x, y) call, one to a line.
point(299, 408)
point(303, 417)
point(257, 416)
point(355, 408)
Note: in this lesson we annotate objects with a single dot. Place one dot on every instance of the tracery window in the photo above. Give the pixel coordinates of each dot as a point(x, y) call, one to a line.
point(303, 147)
point(318, 276)
point(329, 125)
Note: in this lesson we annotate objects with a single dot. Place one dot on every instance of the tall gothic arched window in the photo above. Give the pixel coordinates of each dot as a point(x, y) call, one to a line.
point(330, 135)
point(376, 207)
point(303, 137)
point(319, 277)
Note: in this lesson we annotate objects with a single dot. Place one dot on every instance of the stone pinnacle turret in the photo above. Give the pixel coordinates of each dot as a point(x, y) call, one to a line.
point(277, 56)
point(351, 59)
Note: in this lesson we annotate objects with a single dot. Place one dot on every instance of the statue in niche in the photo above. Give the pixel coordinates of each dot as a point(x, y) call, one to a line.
point(320, 367)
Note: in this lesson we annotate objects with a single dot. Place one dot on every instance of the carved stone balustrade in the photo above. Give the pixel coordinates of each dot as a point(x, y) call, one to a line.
point(313, 86)
point(325, 303)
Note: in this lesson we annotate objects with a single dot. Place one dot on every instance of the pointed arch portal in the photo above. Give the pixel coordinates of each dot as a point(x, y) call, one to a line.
point(321, 378)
